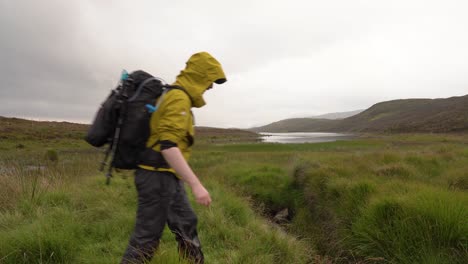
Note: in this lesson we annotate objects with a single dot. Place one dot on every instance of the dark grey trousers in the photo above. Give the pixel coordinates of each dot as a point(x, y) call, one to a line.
point(162, 199)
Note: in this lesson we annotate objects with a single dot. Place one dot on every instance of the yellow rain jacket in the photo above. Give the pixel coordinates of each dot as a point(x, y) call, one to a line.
point(172, 123)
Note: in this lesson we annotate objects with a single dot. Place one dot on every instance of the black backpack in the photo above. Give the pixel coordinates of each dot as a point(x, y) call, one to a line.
point(122, 121)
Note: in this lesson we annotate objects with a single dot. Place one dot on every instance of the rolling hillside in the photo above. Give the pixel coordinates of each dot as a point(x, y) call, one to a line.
point(298, 125)
point(17, 128)
point(338, 115)
point(399, 116)
point(23, 129)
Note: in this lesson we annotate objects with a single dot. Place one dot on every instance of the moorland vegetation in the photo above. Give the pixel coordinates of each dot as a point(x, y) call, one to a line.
point(379, 198)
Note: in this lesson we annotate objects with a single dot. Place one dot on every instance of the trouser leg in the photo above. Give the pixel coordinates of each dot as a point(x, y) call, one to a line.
point(183, 223)
point(155, 191)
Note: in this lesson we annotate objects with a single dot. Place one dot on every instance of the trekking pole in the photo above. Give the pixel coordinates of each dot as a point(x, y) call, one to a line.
point(121, 101)
point(106, 156)
point(114, 148)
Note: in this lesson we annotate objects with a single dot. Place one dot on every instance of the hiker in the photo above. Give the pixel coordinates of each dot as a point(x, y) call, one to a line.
point(163, 170)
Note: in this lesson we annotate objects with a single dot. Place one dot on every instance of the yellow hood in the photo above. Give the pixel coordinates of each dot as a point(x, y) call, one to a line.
point(200, 72)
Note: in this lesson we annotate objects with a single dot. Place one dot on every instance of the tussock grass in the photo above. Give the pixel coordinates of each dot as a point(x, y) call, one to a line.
point(60, 211)
point(387, 199)
point(93, 226)
point(396, 211)
point(429, 227)
point(26, 174)
point(395, 199)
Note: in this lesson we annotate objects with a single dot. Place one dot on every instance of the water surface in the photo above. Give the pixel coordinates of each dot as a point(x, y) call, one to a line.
point(304, 137)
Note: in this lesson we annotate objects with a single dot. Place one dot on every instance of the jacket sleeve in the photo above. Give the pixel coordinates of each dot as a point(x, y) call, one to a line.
point(173, 124)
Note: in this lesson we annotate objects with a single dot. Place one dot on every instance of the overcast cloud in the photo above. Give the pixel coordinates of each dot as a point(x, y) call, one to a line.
point(60, 59)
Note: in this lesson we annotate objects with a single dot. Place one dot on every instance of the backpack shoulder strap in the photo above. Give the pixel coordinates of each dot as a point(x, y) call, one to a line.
point(167, 88)
point(177, 87)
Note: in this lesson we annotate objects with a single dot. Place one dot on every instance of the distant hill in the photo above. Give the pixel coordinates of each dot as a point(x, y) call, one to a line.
point(407, 115)
point(23, 129)
point(297, 125)
point(17, 128)
point(339, 115)
point(318, 123)
point(411, 115)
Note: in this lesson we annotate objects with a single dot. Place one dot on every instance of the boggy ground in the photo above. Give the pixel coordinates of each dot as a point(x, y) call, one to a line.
point(377, 199)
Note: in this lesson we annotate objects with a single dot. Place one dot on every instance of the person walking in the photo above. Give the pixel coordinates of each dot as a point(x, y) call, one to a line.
point(160, 178)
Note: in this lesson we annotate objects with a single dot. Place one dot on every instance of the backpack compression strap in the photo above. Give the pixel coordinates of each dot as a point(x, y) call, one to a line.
point(140, 87)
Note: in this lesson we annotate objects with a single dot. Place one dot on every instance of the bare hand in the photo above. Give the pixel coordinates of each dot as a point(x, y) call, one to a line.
point(202, 196)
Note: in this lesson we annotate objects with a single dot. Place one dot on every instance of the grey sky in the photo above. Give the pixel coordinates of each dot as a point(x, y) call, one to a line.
point(60, 59)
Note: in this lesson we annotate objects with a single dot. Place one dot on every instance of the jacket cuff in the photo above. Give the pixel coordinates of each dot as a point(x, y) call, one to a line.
point(167, 144)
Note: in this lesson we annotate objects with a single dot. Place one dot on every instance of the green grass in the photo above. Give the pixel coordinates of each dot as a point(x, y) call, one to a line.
point(60, 211)
point(429, 227)
point(376, 199)
point(397, 199)
point(93, 226)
